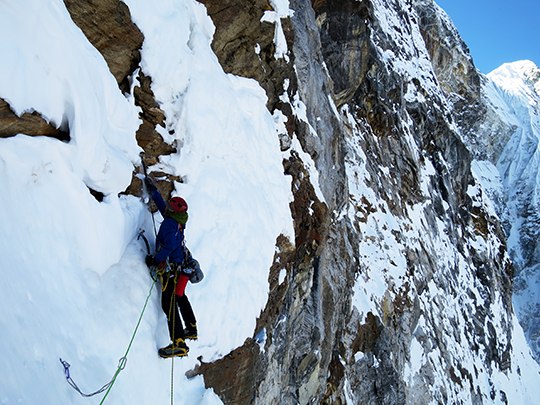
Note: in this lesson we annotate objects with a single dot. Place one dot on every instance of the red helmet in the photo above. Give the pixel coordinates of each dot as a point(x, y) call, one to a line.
point(178, 204)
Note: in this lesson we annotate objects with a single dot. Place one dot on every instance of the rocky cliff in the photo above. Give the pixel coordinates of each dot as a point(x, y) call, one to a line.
point(397, 285)
point(497, 116)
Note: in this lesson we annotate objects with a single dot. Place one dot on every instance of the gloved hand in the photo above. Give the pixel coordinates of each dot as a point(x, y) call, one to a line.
point(152, 266)
point(150, 261)
point(162, 265)
point(149, 184)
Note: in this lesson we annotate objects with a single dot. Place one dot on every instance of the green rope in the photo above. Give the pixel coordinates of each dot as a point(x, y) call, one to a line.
point(122, 364)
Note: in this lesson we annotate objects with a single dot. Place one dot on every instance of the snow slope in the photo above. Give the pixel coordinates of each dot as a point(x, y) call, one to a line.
point(72, 278)
point(447, 295)
point(513, 91)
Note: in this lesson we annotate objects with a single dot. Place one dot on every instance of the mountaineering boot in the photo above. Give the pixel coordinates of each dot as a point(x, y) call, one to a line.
point(178, 348)
point(191, 332)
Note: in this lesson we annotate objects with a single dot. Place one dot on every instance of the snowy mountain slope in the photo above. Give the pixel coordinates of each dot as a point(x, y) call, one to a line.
point(396, 287)
point(445, 299)
point(512, 92)
point(498, 119)
point(72, 271)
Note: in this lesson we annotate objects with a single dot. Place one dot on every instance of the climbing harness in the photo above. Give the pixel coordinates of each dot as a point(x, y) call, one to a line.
point(121, 363)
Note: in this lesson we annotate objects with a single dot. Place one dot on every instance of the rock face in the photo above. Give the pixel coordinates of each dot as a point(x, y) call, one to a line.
point(31, 124)
point(107, 25)
point(497, 119)
point(245, 45)
point(353, 321)
point(398, 286)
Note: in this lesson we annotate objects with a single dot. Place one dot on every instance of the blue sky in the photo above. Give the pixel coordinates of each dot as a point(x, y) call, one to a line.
point(497, 31)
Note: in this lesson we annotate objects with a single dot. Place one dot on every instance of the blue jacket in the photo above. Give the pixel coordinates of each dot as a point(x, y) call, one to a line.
point(170, 238)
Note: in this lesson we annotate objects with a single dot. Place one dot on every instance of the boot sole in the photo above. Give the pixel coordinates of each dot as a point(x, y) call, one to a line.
point(168, 356)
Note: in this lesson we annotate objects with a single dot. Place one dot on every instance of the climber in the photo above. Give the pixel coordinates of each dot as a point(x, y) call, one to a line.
point(173, 262)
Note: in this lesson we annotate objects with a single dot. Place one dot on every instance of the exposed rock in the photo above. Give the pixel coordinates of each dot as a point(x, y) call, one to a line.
point(151, 141)
point(450, 55)
point(461, 82)
point(107, 25)
point(245, 46)
point(147, 136)
point(31, 124)
point(345, 46)
point(235, 375)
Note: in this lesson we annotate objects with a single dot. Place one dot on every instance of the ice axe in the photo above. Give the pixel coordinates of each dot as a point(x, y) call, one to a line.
point(145, 172)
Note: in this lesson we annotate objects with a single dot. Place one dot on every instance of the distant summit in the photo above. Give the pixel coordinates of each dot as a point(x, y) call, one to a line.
point(524, 70)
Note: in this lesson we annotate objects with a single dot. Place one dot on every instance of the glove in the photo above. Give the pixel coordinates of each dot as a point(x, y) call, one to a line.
point(152, 268)
point(150, 261)
point(162, 265)
point(149, 185)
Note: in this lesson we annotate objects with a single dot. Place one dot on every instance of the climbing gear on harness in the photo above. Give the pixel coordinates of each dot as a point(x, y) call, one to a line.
point(121, 363)
point(191, 268)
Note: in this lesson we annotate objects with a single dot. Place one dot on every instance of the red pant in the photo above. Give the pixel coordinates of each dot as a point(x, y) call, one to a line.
point(181, 285)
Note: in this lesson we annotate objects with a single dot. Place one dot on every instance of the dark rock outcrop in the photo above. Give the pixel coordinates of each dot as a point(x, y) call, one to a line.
point(318, 347)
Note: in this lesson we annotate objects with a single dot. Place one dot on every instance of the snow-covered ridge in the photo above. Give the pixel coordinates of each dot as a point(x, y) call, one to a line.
point(525, 71)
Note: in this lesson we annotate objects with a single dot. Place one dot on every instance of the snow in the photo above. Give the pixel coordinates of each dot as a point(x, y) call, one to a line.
point(71, 269)
point(513, 92)
point(450, 289)
point(280, 9)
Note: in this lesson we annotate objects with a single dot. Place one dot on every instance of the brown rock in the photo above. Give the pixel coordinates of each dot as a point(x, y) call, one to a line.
point(151, 141)
point(107, 25)
point(239, 31)
point(144, 98)
point(31, 124)
point(232, 376)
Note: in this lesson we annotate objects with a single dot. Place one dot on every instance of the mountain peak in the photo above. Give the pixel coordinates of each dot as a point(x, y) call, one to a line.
point(525, 70)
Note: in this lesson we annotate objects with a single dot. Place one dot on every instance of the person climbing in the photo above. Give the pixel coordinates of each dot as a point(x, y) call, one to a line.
point(173, 262)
